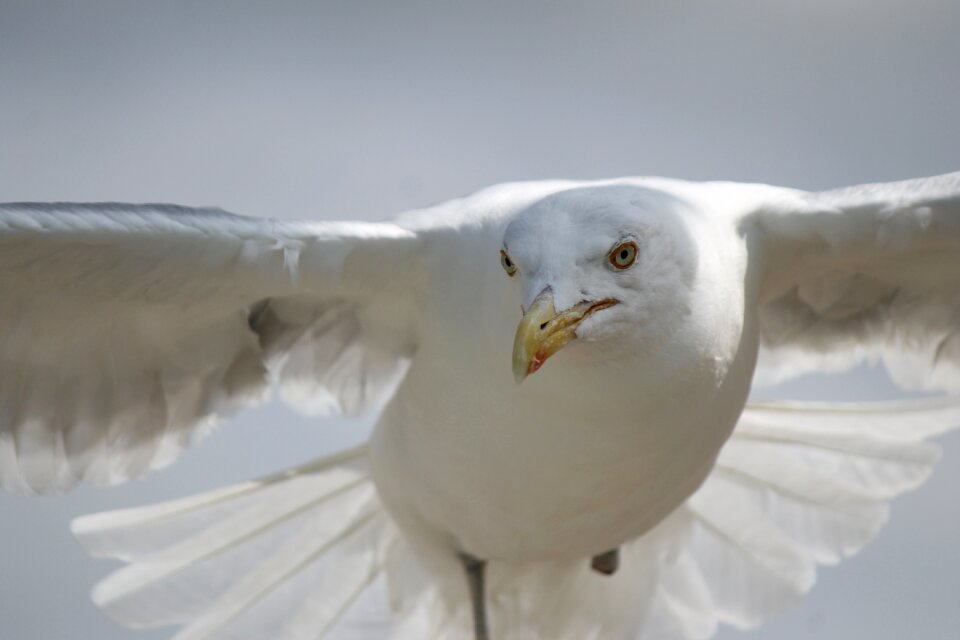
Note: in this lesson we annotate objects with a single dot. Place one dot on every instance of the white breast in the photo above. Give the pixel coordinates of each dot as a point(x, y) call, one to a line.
point(584, 455)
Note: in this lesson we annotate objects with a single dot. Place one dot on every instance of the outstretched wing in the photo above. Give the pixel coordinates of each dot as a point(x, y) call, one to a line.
point(126, 330)
point(867, 272)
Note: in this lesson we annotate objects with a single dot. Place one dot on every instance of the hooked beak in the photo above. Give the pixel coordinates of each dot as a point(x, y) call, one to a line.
point(542, 331)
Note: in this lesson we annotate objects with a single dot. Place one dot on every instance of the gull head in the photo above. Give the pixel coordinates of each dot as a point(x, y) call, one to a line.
point(610, 265)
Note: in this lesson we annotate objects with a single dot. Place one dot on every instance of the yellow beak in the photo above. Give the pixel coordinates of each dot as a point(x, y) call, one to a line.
point(542, 331)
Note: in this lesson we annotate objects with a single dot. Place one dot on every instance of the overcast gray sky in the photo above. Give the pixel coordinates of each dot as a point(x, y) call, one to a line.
point(361, 109)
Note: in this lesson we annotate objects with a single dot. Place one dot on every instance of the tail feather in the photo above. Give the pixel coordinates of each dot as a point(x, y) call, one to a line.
point(828, 530)
point(288, 557)
point(816, 478)
point(290, 562)
point(912, 420)
point(250, 556)
point(218, 539)
point(128, 534)
point(328, 601)
point(796, 486)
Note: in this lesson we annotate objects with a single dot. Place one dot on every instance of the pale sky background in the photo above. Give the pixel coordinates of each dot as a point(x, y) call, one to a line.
point(361, 109)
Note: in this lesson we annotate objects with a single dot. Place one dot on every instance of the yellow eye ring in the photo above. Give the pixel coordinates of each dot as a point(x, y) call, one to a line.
point(507, 264)
point(624, 255)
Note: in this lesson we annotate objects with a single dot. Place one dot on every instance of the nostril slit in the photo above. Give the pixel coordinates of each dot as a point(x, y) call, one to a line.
point(543, 326)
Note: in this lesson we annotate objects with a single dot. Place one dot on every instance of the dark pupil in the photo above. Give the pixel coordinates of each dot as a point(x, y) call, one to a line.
point(624, 254)
point(507, 262)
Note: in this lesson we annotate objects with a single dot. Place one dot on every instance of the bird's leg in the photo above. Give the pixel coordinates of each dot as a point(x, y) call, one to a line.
point(606, 563)
point(475, 569)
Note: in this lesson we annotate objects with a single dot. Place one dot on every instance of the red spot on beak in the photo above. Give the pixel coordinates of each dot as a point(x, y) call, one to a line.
point(537, 361)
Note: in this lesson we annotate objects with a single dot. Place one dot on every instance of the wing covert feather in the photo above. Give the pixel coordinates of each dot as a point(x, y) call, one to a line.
point(863, 273)
point(127, 330)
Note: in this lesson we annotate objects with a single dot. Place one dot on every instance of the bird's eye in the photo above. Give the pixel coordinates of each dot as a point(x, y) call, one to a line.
point(624, 255)
point(507, 264)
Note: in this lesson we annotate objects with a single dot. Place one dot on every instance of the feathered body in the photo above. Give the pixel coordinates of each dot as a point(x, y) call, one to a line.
point(129, 329)
point(603, 439)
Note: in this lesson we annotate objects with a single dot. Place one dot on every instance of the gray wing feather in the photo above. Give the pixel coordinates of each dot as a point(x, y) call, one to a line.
point(126, 331)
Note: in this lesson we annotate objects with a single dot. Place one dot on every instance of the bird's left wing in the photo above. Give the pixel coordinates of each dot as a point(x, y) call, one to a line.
point(867, 272)
point(126, 330)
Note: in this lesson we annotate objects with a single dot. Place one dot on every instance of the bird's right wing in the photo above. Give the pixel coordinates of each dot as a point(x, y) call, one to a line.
point(125, 330)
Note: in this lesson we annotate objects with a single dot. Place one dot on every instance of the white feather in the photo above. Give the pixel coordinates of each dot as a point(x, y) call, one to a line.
point(862, 273)
point(796, 486)
point(288, 554)
point(130, 330)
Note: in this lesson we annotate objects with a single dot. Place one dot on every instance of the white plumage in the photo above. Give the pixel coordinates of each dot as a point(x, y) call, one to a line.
point(137, 320)
point(128, 330)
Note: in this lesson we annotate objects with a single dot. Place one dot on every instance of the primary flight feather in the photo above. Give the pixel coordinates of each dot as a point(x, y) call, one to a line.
point(625, 489)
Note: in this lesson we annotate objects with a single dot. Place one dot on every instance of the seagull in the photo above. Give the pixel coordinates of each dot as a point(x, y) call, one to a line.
point(565, 447)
